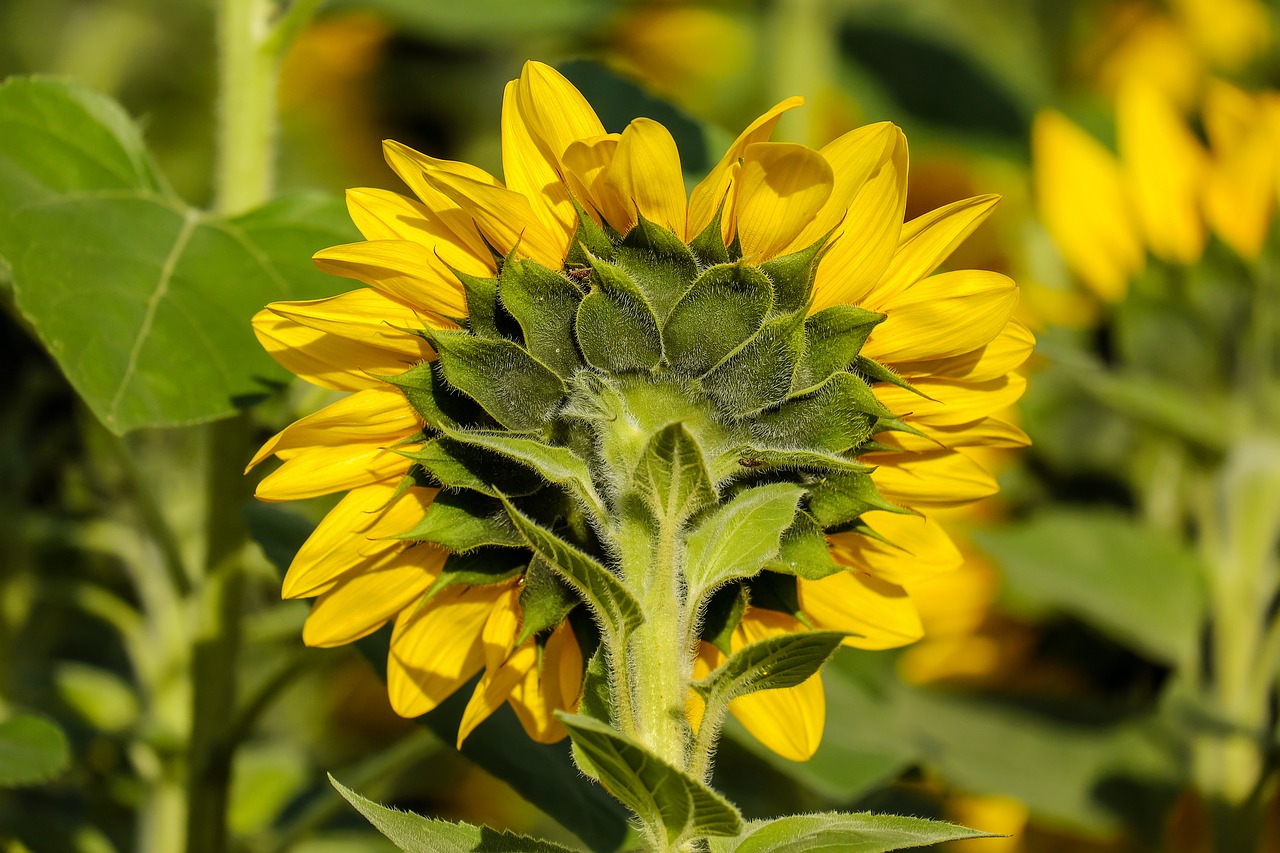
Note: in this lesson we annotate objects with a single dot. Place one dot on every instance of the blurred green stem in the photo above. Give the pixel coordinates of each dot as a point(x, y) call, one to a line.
point(804, 63)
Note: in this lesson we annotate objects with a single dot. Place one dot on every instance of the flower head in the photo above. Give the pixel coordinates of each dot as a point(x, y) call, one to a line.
point(584, 369)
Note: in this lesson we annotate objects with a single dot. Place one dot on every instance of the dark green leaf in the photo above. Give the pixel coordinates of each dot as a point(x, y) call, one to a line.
point(805, 552)
point(834, 832)
point(760, 372)
point(741, 536)
point(458, 465)
point(32, 750)
point(464, 521)
point(414, 833)
point(520, 392)
point(482, 304)
point(792, 276)
point(673, 477)
point(833, 338)
point(657, 792)
point(1123, 577)
point(545, 601)
point(708, 247)
point(829, 417)
point(660, 264)
point(431, 398)
point(478, 568)
point(774, 663)
point(839, 499)
point(722, 309)
point(544, 303)
point(609, 600)
point(723, 614)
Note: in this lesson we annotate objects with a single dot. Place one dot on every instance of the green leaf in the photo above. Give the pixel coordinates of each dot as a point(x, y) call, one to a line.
point(774, 663)
point(462, 522)
point(609, 600)
point(101, 698)
point(708, 247)
point(760, 372)
point(659, 262)
point(747, 458)
point(834, 832)
point(458, 465)
point(658, 793)
point(723, 614)
point(520, 392)
point(721, 309)
point(143, 301)
point(479, 568)
point(829, 417)
point(414, 833)
point(839, 499)
point(482, 304)
point(32, 750)
point(545, 601)
point(596, 700)
point(615, 325)
point(1123, 577)
point(741, 536)
point(432, 398)
point(805, 552)
point(544, 303)
point(672, 476)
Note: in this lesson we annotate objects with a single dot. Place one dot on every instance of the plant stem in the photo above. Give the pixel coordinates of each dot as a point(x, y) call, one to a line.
point(804, 63)
point(247, 71)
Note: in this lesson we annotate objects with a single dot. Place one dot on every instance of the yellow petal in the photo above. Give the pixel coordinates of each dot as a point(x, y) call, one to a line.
point(494, 688)
point(945, 315)
point(384, 215)
point(402, 269)
point(499, 634)
point(378, 414)
point(708, 195)
point(780, 189)
point(949, 404)
point(938, 479)
point(1085, 206)
point(1239, 196)
point(412, 168)
point(552, 686)
point(987, 432)
point(585, 163)
point(868, 237)
point(1007, 352)
point(530, 172)
point(436, 648)
point(505, 218)
point(852, 157)
point(354, 535)
point(1165, 167)
point(921, 549)
point(878, 613)
point(789, 721)
point(929, 239)
point(330, 361)
point(554, 112)
point(645, 175)
point(363, 315)
point(317, 471)
point(362, 602)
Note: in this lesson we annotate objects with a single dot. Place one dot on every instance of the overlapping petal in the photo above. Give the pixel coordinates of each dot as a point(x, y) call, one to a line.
point(781, 188)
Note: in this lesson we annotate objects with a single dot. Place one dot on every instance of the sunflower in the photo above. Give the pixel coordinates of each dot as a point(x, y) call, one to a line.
point(523, 353)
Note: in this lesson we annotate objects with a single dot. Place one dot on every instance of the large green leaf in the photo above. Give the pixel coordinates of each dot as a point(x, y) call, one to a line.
point(843, 833)
point(741, 536)
point(414, 833)
point(32, 750)
point(657, 792)
point(1139, 586)
point(143, 301)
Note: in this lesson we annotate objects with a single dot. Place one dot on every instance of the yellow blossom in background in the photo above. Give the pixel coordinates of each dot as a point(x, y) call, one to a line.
point(950, 335)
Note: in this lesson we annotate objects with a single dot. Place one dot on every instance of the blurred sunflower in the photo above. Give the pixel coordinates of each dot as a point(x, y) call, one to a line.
point(481, 287)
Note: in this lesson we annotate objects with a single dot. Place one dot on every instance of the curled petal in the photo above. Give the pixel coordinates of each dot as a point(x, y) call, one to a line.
point(929, 239)
point(337, 362)
point(1005, 353)
point(781, 188)
point(920, 548)
point(504, 218)
point(644, 175)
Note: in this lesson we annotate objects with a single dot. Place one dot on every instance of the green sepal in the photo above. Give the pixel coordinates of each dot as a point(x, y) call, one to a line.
point(847, 833)
point(481, 567)
point(430, 397)
point(462, 522)
point(723, 614)
point(413, 833)
point(740, 537)
point(659, 262)
point(613, 605)
point(596, 700)
point(516, 389)
point(721, 310)
point(759, 373)
point(833, 338)
point(589, 239)
point(805, 552)
point(829, 417)
point(672, 478)
point(659, 794)
point(544, 303)
point(482, 304)
point(792, 276)
point(557, 465)
point(454, 464)
point(774, 663)
point(615, 325)
point(840, 498)
point(747, 459)
point(545, 601)
point(877, 372)
point(708, 247)
point(773, 591)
